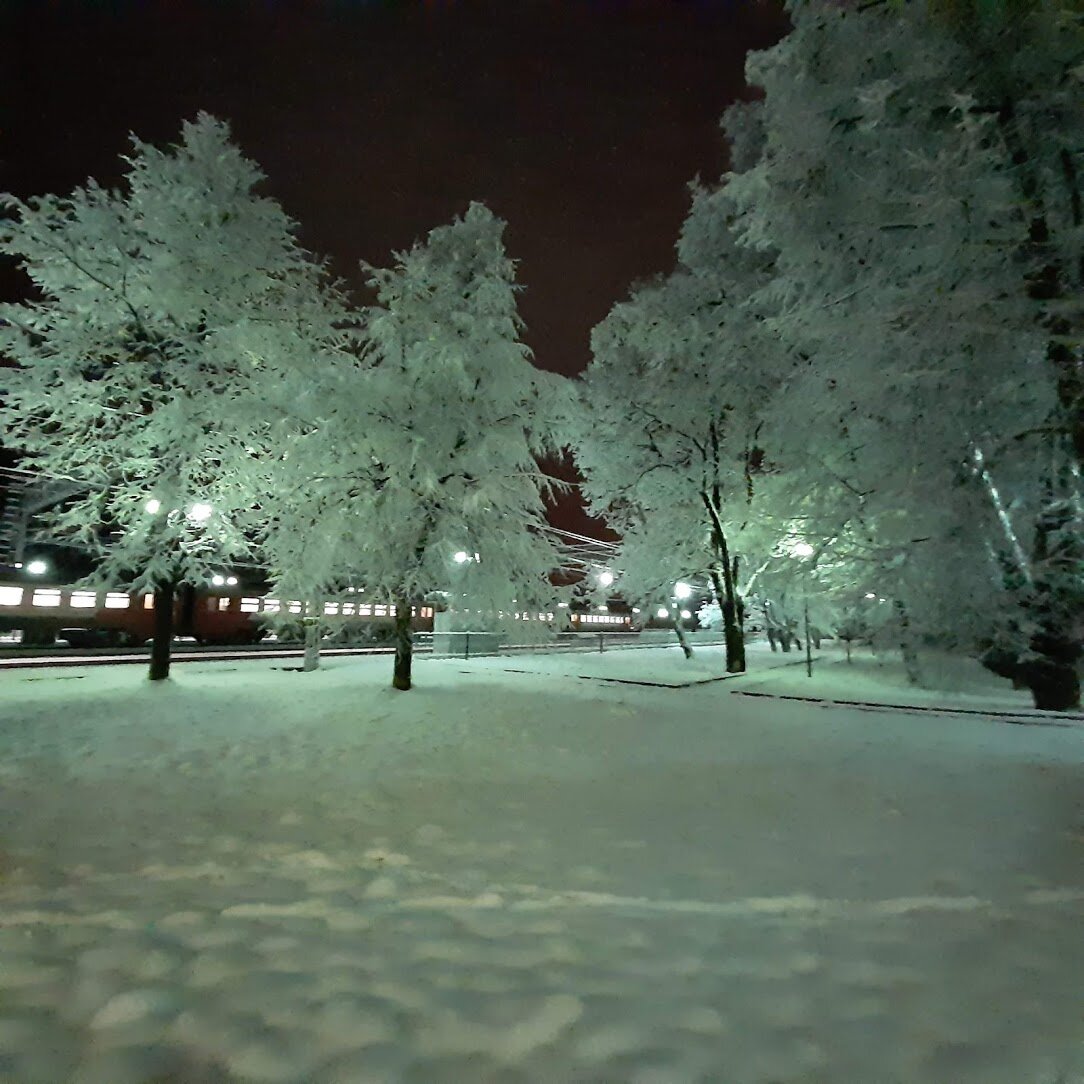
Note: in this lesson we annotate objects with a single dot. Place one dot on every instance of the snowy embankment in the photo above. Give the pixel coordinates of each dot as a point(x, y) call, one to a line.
point(540, 868)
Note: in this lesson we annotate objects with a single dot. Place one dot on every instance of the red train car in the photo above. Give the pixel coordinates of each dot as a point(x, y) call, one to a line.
point(41, 614)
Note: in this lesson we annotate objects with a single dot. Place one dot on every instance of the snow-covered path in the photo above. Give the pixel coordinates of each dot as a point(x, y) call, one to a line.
point(517, 872)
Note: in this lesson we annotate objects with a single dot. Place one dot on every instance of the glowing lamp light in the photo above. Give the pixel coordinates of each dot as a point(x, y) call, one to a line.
point(802, 549)
point(153, 506)
point(870, 594)
point(686, 614)
point(217, 580)
point(606, 577)
point(37, 568)
point(461, 558)
point(199, 513)
point(682, 590)
point(636, 609)
point(662, 612)
point(231, 581)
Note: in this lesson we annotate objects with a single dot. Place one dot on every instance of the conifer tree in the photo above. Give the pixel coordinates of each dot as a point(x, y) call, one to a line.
point(164, 313)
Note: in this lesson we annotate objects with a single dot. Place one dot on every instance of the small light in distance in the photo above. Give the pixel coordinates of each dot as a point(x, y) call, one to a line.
point(682, 590)
point(37, 567)
point(461, 558)
point(153, 506)
point(802, 549)
point(605, 577)
point(199, 513)
point(217, 580)
point(870, 594)
point(231, 581)
point(686, 614)
point(662, 612)
point(636, 609)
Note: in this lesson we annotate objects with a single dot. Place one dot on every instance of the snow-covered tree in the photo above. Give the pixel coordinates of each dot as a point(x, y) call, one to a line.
point(313, 491)
point(937, 390)
point(674, 399)
point(433, 485)
point(164, 313)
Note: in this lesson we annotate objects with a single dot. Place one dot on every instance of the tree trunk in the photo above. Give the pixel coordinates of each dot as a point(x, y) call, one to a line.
point(1050, 667)
point(162, 644)
point(735, 641)
point(310, 622)
point(1054, 686)
point(727, 596)
point(682, 638)
point(404, 646)
point(907, 645)
point(808, 644)
point(312, 646)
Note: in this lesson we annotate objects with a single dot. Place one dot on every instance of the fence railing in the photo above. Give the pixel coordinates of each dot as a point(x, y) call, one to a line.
point(466, 645)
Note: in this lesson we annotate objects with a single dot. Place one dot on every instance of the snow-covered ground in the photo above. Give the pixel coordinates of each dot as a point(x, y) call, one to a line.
point(596, 868)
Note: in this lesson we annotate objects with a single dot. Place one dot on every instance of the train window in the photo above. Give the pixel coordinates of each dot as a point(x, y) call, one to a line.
point(294, 607)
point(250, 605)
point(10, 596)
point(331, 607)
point(380, 611)
point(117, 600)
point(427, 611)
point(148, 602)
point(348, 609)
point(270, 605)
point(365, 610)
point(46, 596)
point(84, 600)
point(223, 604)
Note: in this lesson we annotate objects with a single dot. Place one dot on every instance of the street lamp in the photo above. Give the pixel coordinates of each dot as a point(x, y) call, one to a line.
point(37, 567)
point(605, 577)
point(153, 506)
point(682, 590)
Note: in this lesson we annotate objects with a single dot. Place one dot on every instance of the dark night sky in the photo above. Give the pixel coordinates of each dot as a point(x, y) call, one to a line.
point(579, 121)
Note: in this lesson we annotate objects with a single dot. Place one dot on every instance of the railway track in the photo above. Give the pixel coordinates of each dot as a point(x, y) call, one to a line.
point(13, 658)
